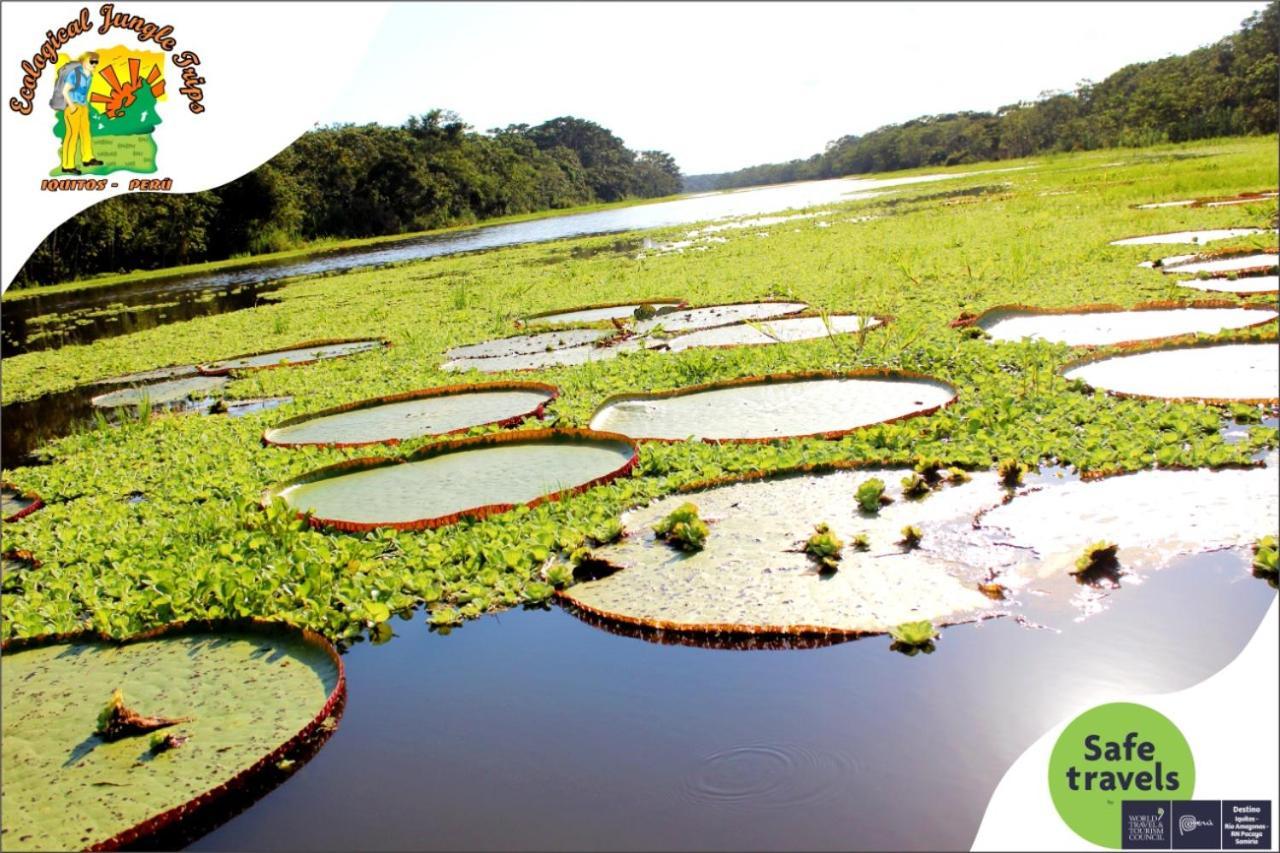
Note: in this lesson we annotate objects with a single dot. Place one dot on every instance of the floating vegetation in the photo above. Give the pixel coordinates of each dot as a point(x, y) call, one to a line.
point(161, 393)
point(773, 332)
point(911, 637)
point(762, 408)
point(752, 578)
point(16, 503)
point(413, 414)
point(871, 496)
point(1247, 372)
point(825, 548)
point(914, 486)
point(303, 353)
point(467, 478)
point(683, 528)
point(1103, 325)
point(718, 315)
point(1158, 515)
point(243, 696)
point(1239, 285)
point(911, 536)
point(1098, 557)
point(1266, 557)
point(609, 311)
point(1011, 472)
point(1206, 236)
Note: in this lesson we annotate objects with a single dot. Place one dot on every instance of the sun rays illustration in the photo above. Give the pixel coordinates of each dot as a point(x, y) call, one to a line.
point(122, 95)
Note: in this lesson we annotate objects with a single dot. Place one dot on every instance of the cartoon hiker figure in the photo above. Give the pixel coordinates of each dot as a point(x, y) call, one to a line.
point(71, 96)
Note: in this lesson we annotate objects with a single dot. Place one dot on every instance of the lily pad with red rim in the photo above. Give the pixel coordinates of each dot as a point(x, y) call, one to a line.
point(303, 353)
point(258, 694)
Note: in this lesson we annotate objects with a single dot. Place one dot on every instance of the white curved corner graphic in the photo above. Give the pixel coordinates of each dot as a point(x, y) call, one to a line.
point(268, 72)
point(1227, 719)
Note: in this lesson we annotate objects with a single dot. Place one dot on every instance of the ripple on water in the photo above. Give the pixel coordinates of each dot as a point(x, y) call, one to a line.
point(769, 776)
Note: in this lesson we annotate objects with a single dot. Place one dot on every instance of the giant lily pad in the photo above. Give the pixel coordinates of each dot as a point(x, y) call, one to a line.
point(753, 577)
point(1107, 325)
point(1218, 372)
point(433, 411)
point(1206, 236)
point(16, 503)
point(178, 372)
point(517, 345)
point(1153, 516)
point(1225, 263)
point(758, 409)
point(161, 393)
point(718, 315)
point(304, 353)
point(772, 332)
point(598, 313)
point(1213, 201)
point(555, 357)
point(472, 477)
point(1240, 285)
point(257, 694)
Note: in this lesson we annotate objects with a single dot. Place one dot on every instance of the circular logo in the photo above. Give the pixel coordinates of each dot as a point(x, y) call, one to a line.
point(1112, 753)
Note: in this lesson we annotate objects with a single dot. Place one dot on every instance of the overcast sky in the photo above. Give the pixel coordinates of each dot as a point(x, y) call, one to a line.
point(726, 85)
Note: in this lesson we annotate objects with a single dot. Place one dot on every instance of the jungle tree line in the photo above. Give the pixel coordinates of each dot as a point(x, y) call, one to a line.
point(1226, 89)
point(349, 181)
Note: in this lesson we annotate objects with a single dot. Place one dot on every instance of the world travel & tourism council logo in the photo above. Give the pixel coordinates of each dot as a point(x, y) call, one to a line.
point(105, 99)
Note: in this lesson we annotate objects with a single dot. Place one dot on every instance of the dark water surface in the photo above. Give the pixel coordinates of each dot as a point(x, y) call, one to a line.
point(242, 287)
point(535, 730)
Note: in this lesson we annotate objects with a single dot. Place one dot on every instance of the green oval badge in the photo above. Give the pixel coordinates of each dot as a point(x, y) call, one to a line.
point(1112, 753)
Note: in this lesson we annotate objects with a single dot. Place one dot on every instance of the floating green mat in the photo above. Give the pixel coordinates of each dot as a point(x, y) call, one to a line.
point(1105, 325)
point(1216, 372)
point(1241, 285)
point(719, 315)
point(1154, 516)
point(471, 477)
point(16, 504)
point(753, 576)
point(300, 354)
point(256, 693)
point(517, 345)
point(598, 313)
point(763, 408)
point(433, 411)
point(161, 393)
point(771, 332)
point(1206, 236)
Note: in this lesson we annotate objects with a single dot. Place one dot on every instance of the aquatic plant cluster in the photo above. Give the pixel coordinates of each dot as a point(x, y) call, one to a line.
point(161, 519)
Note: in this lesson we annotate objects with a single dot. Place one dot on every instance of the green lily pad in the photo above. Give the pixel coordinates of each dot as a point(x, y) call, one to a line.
point(434, 411)
point(257, 694)
point(300, 354)
point(472, 477)
point(772, 407)
point(753, 575)
point(1216, 372)
point(161, 393)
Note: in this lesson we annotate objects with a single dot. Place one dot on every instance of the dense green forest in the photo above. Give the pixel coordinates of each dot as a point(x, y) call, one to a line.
point(1226, 89)
point(359, 181)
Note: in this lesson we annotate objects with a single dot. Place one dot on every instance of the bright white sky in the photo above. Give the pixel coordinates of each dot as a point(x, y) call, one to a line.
point(726, 85)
